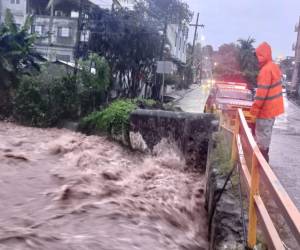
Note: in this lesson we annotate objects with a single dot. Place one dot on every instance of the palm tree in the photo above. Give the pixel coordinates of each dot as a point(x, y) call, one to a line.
point(248, 61)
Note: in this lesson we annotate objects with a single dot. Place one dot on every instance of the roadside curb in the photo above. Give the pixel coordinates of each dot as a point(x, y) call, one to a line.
point(180, 98)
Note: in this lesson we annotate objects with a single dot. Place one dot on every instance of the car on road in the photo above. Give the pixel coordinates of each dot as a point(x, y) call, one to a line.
point(225, 98)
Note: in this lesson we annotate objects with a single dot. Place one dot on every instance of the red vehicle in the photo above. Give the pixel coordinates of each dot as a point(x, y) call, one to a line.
point(226, 97)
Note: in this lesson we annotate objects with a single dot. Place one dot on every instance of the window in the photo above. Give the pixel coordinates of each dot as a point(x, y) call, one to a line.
point(64, 32)
point(85, 35)
point(15, 1)
point(179, 43)
point(39, 29)
point(74, 14)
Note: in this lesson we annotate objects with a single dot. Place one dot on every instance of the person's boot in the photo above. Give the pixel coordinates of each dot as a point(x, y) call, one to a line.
point(265, 153)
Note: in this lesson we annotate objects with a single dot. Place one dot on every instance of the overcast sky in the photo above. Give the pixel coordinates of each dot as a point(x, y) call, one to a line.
point(228, 20)
point(265, 20)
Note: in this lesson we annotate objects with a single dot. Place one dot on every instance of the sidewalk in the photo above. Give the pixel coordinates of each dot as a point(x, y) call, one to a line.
point(194, 100)
point(285, 150)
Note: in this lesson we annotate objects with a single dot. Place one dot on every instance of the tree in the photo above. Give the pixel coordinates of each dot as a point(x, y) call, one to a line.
point(16, 57)
point(248, 61)
point(94, 82)
point(130, 43)
point(287, 66)
point(16, 54)
point(228, 67)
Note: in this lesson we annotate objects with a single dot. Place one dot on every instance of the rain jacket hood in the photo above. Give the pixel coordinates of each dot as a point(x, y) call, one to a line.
point(264, 53)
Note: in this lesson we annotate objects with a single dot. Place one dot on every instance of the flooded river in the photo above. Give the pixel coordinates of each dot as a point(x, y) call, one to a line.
point(62, 190)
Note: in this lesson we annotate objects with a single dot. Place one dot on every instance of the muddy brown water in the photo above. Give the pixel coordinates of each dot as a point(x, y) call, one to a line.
point(65, 190)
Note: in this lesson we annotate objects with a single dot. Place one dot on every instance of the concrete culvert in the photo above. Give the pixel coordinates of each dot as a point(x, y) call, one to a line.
point(189, 131)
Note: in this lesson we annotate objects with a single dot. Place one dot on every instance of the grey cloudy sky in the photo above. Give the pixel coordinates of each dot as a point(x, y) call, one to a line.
point(265, 20)
point(228, 20)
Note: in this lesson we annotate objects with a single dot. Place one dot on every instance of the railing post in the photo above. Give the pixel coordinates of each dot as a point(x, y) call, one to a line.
point(221, 119)
point(233, 144)
point(252, 212)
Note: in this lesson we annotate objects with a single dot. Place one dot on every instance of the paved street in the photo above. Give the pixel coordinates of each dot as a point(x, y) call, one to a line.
point(285, 150)
point(194, 101)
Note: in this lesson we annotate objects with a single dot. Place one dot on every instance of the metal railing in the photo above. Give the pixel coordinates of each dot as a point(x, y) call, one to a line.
point(254, 171)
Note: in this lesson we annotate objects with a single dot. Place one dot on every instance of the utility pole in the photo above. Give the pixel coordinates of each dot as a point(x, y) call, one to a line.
point(50, 33)
point(162, 58)
point(78, 37)
point(196, 25)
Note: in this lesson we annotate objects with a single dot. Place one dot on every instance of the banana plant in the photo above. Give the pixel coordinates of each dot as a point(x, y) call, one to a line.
point(16, 50)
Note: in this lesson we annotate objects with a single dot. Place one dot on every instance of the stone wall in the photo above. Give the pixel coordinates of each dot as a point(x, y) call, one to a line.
point(191, 132)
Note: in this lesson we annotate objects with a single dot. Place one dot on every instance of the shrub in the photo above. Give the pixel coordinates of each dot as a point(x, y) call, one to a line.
point(114, 120)
point(43, 103)
point(30, 108)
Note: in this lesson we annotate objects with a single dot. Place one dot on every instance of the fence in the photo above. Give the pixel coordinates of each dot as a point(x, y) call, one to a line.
point(253, 168)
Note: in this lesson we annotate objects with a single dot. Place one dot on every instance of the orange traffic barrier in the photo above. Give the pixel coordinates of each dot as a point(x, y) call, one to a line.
point(255, 169)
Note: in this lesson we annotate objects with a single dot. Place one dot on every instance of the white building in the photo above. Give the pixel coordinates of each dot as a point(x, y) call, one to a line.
point(17, 7)
point(177, 37)
point(57, 27)
point(110, 4)
point(295, 79)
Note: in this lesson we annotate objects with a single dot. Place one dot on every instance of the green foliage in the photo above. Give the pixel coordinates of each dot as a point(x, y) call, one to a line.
point(131, 41)
point(222, 154)
point(112, 120)
point(95, 73)
point(228, 64)
point(93, 83)
point(248, 61)
point(174, 11)
point(148, 103)
point(16, 57)
point(16, 53)
point(287, 67)
point(30, 107)
point(43, 103)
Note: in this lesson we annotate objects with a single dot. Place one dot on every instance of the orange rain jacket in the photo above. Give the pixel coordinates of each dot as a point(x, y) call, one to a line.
point(268, 100)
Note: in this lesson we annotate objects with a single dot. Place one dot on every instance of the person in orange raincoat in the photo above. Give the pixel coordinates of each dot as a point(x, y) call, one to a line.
point(268, 102)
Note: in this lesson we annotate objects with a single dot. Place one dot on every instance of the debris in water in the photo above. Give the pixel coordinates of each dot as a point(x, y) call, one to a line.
point(16, 156)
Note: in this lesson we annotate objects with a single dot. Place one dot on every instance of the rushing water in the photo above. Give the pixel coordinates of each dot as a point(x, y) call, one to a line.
point(62, 190)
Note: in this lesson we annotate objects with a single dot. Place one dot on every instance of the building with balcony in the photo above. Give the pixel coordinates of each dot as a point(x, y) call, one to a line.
point(17, 7)
point(56, 25)
point(177, 37)
point(296, 72)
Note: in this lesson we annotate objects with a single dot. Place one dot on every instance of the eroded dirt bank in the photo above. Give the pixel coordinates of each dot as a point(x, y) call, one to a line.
point(64, 190)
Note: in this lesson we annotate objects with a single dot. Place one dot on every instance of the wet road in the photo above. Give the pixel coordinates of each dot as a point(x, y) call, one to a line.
point(61, 190)
point(194, 101)
point(285, 150)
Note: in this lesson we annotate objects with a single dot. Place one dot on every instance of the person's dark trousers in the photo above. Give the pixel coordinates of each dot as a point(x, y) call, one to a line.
point(265, 153)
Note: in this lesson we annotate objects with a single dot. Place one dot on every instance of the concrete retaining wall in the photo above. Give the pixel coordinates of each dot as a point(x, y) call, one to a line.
point(191, 132)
